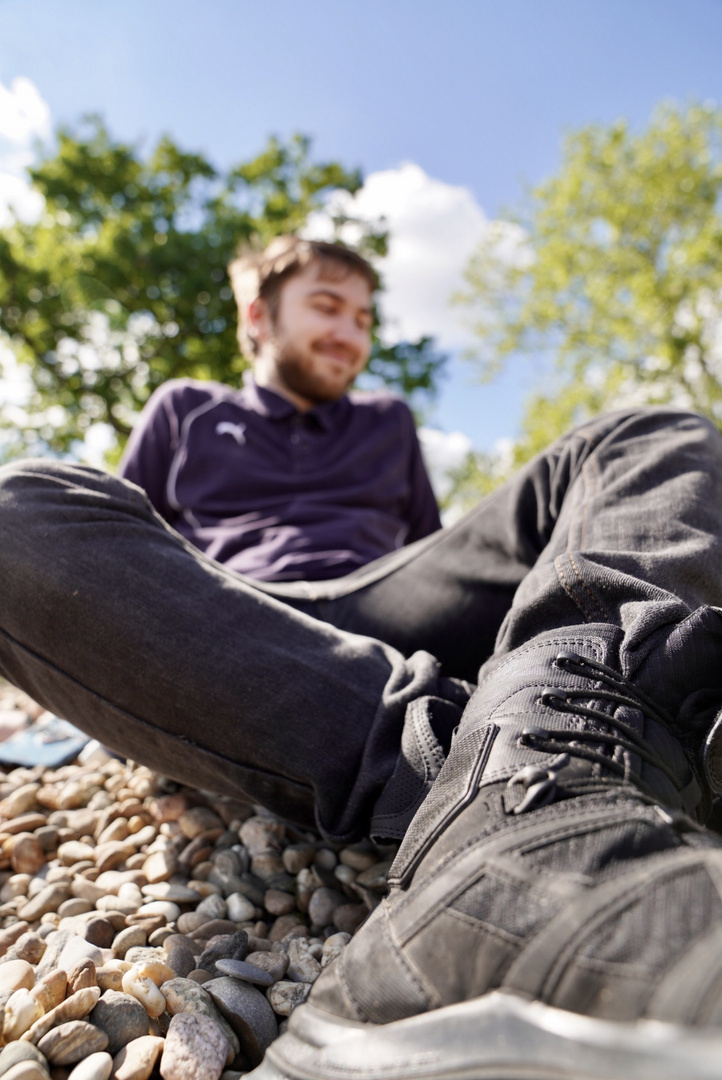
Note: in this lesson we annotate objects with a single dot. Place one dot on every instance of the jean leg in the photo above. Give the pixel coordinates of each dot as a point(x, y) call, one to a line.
point(111, 619)
point(452, 592)
point(637, 540)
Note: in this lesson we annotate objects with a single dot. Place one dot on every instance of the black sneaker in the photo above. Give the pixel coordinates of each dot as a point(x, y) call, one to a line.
point(555, 909)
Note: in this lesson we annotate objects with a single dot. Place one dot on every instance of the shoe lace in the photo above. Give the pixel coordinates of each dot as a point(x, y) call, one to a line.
point(541, 782)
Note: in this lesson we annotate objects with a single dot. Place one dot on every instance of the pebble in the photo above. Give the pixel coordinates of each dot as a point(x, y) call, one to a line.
point(27, 854)
point(137, 1060)
point(213, 907)
point(325, 858)
point(358, 856)
point(73, 1008)
point(50, 990)
point(166, 909)
point(333, 946)
point(48, 899)
point(240, 908)
point(213, 928)
point(194, 1047)
point(160, 866)
point(262, 833)
point(172, 891)
point(10, 935)
point(348, 917)
point(16, 1052)
point(278, 902)
point(142, 987)
point(276, 964)
point(97, 1066)
point(197, 820)
point(233, 946)
point(74, 906)
point(15, 974)
point(27, 1070)
point(21, 1012)
point(121, 1017)
point(284, 997)
point(107, 860)
point(297, 857)
point(180, 959)
point(129, 938)
point(286, 924)
point(77, 949)
point(322, 905)
point(248, 1012)
point(82, 976)
point(187, 996)
point(99, 932)
point(72, 1042)
point(239, 969)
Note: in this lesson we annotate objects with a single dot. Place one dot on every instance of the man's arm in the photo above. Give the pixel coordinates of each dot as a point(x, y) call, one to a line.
point(151, 446)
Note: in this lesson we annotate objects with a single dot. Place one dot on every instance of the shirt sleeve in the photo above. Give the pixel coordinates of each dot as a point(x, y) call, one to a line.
point(422, 511)
point(149, 453)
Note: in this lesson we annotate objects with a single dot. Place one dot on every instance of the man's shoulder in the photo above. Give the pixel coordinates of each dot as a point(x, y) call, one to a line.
point(183, 396)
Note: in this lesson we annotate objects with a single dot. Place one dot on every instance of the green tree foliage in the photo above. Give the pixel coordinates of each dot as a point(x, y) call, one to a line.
point(122, 282)
point(612, 275)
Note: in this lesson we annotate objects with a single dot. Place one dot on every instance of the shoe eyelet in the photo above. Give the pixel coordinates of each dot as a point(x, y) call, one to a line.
point(553, 698)
point(565, 657)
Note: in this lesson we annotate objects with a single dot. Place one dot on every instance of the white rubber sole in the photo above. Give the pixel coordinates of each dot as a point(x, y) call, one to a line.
point(495, 1037)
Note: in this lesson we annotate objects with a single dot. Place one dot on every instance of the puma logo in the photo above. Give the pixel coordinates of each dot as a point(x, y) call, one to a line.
point(238, 431)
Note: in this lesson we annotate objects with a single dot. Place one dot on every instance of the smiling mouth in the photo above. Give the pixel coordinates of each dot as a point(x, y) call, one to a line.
point(337, 357)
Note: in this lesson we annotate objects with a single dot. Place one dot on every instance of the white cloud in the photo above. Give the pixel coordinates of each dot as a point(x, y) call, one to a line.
point(442, 453)
point(24, 115)
point(18, 199)
point(434, 229)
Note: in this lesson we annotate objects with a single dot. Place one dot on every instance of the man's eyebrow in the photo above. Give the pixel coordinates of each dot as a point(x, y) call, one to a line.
point(326, 291)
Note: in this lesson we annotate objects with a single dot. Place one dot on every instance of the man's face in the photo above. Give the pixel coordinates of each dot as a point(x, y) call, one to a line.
point(320, 339)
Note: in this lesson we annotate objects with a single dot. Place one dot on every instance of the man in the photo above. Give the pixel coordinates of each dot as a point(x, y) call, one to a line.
point(555, 909)
point(289, 478)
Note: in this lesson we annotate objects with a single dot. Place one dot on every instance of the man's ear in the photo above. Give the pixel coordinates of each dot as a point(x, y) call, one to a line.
point(258, 321)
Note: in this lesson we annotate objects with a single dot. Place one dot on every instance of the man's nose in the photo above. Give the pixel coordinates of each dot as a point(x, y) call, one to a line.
point(350, 333)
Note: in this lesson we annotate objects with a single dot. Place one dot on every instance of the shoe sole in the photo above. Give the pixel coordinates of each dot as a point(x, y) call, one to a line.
point(495, 1037)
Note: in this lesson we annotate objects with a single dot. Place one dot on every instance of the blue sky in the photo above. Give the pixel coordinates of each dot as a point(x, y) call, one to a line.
point(450, 108)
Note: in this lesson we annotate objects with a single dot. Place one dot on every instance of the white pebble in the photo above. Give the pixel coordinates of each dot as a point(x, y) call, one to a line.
point(144, 990)
point(98, 1066)
point(166, 908)
point(21, 1012)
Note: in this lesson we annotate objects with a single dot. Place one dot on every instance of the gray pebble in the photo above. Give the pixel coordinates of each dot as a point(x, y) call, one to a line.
point(194, 1047)
point(19, 1051)
point(285, 996)
point(248, 1012)
point(322, 905)
point(276, 964)
point(181, 960)
point(298, 856)
point(121, 1017)
point(239, 969)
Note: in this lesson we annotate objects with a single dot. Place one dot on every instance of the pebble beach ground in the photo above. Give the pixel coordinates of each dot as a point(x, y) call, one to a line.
point(150, 930)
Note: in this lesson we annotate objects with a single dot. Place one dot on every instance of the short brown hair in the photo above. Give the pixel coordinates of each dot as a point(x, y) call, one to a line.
point(262, 274)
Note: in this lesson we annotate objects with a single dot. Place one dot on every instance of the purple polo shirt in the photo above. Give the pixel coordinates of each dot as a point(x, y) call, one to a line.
point(277, 494)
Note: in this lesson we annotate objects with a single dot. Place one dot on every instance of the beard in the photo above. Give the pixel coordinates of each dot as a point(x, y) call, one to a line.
point(310, 378)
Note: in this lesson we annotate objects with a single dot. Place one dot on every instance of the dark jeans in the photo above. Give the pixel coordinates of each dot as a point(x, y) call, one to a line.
point(296, 694)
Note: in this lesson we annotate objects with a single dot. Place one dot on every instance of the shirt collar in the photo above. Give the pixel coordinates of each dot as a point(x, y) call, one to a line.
point(328, 415)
